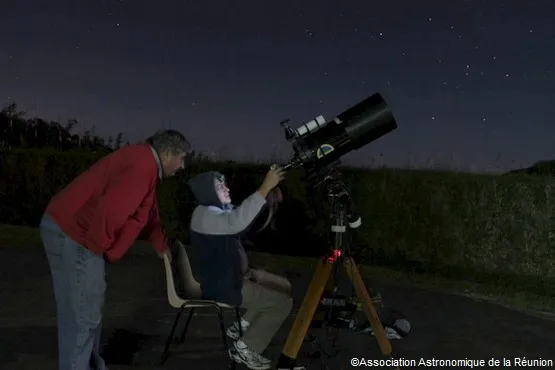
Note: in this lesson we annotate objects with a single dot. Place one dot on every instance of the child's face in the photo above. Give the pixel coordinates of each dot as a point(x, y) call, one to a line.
point(222, 190)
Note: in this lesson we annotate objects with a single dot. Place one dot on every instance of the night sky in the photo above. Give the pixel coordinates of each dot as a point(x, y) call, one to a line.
point(471, 83)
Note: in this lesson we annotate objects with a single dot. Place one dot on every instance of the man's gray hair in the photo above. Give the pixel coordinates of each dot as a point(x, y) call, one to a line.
point(171, 141)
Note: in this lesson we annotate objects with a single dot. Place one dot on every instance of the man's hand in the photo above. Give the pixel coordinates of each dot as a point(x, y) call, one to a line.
point(167, 252)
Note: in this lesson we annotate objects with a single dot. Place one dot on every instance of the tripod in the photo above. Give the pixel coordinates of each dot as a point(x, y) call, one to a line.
point(323, 279)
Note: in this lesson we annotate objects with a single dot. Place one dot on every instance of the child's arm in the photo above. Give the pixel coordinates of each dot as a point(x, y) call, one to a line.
point(215, 221)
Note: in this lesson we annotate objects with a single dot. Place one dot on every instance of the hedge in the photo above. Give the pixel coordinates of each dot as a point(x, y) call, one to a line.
point(475, 226)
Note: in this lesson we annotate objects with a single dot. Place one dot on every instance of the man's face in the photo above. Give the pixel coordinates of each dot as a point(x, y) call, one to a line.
point(171, 162)
point(222, 190)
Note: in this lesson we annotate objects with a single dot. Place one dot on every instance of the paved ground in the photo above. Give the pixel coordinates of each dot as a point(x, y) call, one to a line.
point(443, 326)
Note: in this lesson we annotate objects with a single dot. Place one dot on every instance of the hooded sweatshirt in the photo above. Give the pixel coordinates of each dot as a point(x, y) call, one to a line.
point(215, 230)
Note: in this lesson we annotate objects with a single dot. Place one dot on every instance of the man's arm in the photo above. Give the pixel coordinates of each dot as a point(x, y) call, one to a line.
point(154, 231)
point(116, 207)
point(152, 228)
point(214, 221)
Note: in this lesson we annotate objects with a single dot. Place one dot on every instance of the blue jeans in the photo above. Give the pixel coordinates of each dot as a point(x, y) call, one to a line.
point(79, 286)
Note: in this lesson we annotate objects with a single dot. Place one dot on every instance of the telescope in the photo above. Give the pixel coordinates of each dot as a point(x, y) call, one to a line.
point(318, 143)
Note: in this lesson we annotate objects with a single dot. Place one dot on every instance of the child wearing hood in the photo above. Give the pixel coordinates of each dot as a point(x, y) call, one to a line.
point(224, 274)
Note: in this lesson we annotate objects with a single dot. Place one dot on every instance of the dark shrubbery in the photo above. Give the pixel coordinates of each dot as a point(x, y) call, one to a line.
point(477, 226)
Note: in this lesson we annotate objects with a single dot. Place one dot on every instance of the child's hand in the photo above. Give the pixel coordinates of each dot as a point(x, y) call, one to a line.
point(273, 178)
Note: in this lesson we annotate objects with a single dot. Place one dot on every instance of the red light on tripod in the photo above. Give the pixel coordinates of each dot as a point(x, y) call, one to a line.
point(335, 253)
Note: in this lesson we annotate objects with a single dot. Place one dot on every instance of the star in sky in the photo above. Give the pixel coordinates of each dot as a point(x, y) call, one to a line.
point(454, 73)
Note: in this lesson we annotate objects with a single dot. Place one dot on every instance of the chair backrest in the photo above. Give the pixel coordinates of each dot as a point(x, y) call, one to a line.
point(173, 298)
point(184, 274)
point(190, 284)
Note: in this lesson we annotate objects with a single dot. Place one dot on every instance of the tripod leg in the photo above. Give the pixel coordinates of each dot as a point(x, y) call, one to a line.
point(364, 297)
point(306, 313)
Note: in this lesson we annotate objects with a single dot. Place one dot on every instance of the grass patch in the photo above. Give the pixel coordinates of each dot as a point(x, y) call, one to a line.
point(510, 297)
point(474, 227)
point(541, 305)
point(18, 236)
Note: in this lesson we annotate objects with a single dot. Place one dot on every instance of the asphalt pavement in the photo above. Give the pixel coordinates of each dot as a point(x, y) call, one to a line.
point(138, 319)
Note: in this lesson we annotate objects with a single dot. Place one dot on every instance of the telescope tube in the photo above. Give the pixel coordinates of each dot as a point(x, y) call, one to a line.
point(354, 128)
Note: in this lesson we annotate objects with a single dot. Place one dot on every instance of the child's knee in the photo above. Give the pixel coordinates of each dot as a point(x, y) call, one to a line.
point(286, 304)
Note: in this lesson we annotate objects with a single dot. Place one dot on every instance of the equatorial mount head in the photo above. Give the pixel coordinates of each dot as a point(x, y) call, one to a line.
point(332, 179)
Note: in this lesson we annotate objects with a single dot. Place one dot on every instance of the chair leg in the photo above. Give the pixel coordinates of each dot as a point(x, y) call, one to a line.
point(231, 362)
point(170, 338)
point(222, 327)
point(182, 337)
point(238, 315)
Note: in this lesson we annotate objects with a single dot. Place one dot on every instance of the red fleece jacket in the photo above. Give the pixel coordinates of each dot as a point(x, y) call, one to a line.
point(107, 206)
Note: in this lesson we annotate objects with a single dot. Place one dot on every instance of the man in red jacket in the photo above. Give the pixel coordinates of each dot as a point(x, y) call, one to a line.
point(95, 219)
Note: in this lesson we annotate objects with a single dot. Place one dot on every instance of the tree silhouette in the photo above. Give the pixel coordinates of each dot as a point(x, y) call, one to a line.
point(119, 140)
point(18, 131)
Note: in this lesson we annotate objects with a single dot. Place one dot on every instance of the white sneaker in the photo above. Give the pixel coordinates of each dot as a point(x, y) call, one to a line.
point(233, 330)
point(263, 360)
point(248, 357)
